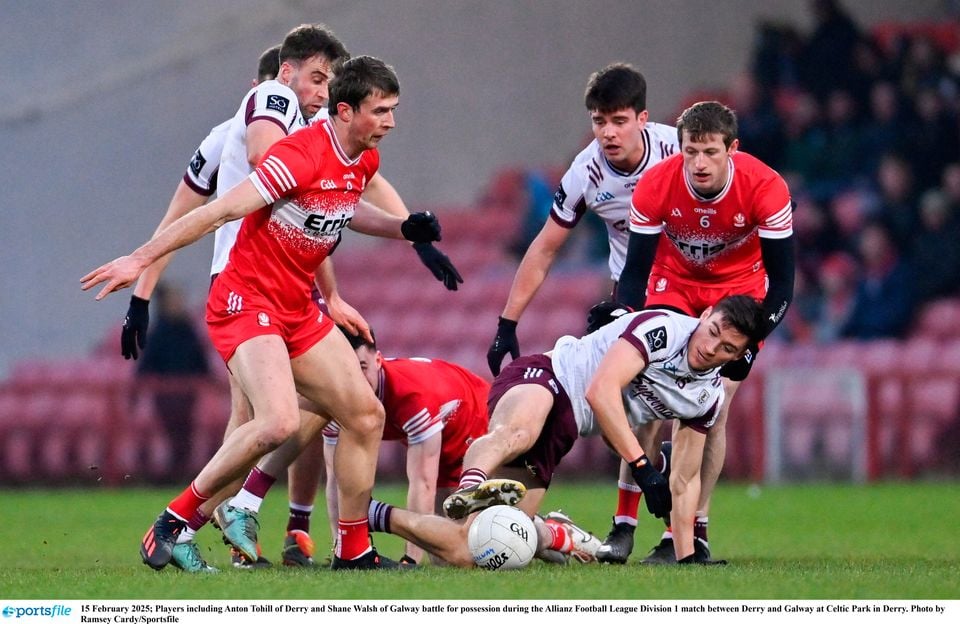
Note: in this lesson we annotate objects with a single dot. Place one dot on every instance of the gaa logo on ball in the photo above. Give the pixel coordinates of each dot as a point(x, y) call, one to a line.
point(502, 538)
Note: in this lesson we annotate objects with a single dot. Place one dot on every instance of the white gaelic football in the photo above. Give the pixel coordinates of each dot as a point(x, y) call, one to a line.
point(502, 538)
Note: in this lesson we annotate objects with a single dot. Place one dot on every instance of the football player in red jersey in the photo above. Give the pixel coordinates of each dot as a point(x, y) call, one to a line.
point(260, 311)
point(705, 223)
point(436, 409)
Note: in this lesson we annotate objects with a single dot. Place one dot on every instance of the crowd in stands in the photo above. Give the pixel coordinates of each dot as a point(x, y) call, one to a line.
point(864, 127)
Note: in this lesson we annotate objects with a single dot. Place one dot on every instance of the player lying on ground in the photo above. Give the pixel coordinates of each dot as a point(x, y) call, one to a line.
point(640, 369)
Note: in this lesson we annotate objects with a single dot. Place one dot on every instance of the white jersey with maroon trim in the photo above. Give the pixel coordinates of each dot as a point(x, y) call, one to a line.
point(666, 389)
point(592, 183)
point(203, 171)
point(268, 100)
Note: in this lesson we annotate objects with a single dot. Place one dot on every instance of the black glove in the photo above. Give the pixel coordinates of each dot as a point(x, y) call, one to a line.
point(421, 227)
point(439, 264)
point(134, 332)
point(408, 561)
point(656, 489)
point(603, 313)
point(504, 342)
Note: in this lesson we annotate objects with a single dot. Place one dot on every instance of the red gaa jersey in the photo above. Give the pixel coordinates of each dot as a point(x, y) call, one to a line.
point(312, 189)
point(712, 240)
point(421, 397)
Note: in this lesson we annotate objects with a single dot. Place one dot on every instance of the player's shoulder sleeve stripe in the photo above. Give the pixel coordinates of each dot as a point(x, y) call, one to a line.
point(778, 225)
point(272, 179)
point(199, 189)
point(279, 172)
point(422, 426)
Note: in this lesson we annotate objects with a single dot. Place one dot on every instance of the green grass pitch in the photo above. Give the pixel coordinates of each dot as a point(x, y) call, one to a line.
point(826, 542)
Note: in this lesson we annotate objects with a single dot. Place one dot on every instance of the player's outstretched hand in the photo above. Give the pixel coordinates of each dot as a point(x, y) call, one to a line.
point(656, 489)
point(603, 313)
point(503, 343)
point(439, 264)
point(134, 332)
point(117, 274)
point(421, 227)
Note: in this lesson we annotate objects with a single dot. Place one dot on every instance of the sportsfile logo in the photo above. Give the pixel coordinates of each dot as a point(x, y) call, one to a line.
point(50, 612)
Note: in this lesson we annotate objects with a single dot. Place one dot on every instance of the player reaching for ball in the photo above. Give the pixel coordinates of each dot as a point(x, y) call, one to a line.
point(628, 376)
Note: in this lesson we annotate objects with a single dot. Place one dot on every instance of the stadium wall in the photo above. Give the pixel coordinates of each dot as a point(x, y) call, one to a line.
point(97, 128)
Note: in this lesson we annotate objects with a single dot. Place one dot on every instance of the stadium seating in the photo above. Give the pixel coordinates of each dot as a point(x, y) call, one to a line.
point(82, 420)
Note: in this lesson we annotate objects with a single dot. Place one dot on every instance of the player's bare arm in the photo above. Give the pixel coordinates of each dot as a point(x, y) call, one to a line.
point(183, 201)
point(121, 272)
point(534, 267)
point(261, 135)
point(622, 363)
point(685, 486)
point(423, 460)
point(372, 220)
point(381, 193)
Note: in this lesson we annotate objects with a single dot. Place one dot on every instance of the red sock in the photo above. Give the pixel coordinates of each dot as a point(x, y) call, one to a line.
point(560, 537)
point(628, 501)
point(354, 538)
point(185, 505)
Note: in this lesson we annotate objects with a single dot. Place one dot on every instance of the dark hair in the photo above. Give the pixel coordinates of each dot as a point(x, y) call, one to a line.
point(269, 65)
point(705, 118)
point(744, 314)
point(358, 78)
point(616, 87)
point(309, 40)
point(358, 341)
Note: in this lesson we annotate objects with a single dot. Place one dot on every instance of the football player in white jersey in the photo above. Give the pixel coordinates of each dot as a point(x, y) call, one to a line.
point(643, 368)
point(601, 178)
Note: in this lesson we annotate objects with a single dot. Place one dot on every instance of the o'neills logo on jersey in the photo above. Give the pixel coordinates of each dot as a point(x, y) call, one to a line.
point(641, 391)
point(739, 220)
point(661, 285)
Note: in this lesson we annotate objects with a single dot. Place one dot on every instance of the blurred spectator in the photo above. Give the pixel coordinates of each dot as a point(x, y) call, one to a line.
point(923, 67)
point(776, 56)
point(537, 201)
point(842, 162)
point(950, 185)
point(870, 67)
point(883, 300)
point(760, 129)
point(935, 253)
point(838, 279)
point(806, 140)
point(828, 56)
point(898, 199)
point(886, 124)
point(849, 211)
point(934, 137)
point(173, 355)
